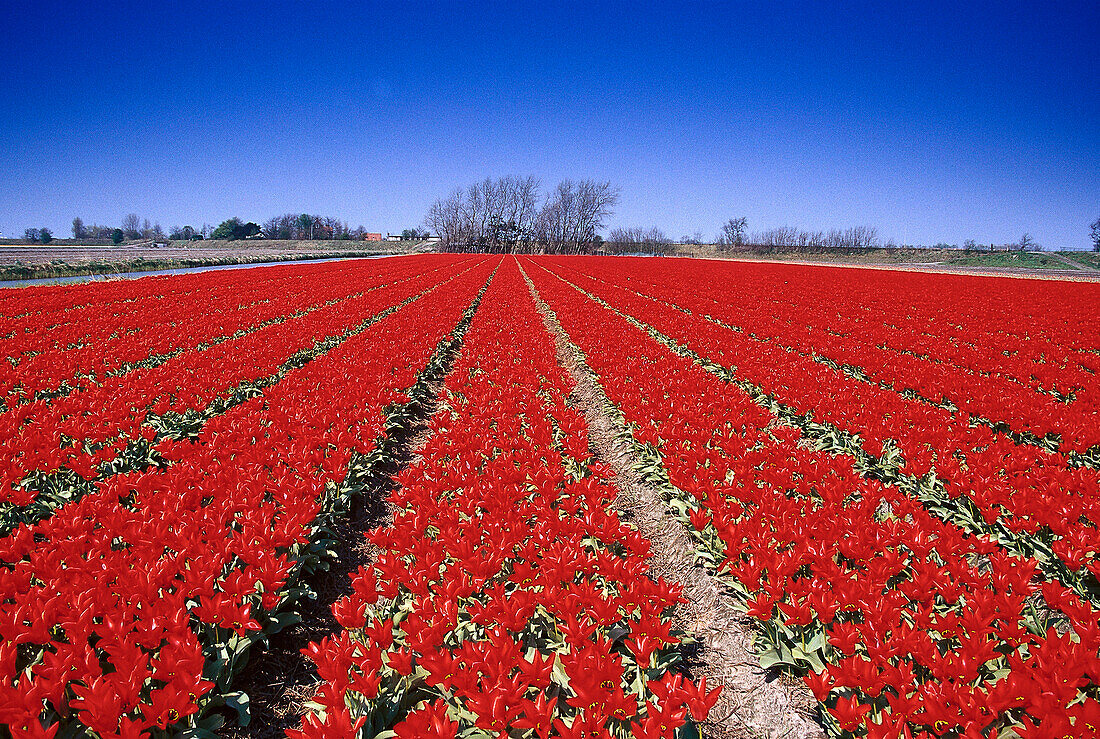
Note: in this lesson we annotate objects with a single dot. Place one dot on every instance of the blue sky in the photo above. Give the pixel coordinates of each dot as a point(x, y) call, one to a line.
point(931, 121)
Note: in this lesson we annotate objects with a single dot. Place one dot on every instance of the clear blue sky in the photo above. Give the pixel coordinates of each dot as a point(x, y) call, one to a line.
point(932, 121)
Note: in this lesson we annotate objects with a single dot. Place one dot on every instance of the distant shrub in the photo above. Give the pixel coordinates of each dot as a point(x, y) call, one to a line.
point(233, 229)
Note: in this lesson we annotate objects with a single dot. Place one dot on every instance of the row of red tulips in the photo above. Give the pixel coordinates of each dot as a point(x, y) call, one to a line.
point(106, 343)
point(507, 599)
point(1029, 497)
point(129, 611)
point(60, 299)
point(34, 312)
point(854, 334)
point(899, 622)
point(87, 430)
point(1034, 331)
point(53, 353)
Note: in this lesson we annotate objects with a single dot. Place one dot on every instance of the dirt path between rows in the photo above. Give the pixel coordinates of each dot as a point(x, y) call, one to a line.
point(280, 680)
point(754, 703)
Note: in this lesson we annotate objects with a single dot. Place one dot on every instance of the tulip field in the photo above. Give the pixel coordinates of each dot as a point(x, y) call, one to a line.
point(893, 477)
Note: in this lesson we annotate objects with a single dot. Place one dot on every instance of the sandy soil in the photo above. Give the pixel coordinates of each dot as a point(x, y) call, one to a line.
point(754, 703)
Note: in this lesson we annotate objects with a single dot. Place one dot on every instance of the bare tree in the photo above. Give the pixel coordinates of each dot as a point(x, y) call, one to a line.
point(501, 212)
point(131, 226)
point(782, 236)
point(638, 240)
point(856, 237)
point(334, 228)
point(733, 232)
point(573, 215)
point(557, 214)
point(279, 227)
point(79, 232)
point(503, 215)
point(522, 208)
point(596, 199)
point(861, 237)
point(444, 217)
point(491, 215)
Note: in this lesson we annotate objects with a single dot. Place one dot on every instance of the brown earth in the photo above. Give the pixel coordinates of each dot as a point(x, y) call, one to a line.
point(754, 702)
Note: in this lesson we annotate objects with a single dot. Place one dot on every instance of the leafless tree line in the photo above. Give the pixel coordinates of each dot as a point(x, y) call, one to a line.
point(132, 227)
point(637, 241)
point(509, 214)
point(857, 237)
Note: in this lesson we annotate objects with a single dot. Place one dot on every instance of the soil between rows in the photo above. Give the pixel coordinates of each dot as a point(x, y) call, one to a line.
point(754, 702)
point(279, 680)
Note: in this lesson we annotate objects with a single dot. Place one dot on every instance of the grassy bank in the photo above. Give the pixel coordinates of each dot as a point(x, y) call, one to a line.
point(1090, 259)
point(1015, 259)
